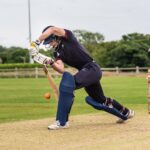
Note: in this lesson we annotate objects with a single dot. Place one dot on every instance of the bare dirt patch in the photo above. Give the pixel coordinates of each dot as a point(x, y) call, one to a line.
point(87, 132)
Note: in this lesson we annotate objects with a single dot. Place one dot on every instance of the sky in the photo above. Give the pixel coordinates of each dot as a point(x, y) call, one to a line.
point(112, 18)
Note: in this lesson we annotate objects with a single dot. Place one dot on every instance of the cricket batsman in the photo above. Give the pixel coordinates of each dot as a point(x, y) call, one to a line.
point(67, 50)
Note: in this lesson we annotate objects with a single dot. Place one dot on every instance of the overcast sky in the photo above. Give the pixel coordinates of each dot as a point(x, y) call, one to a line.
point(112, 18)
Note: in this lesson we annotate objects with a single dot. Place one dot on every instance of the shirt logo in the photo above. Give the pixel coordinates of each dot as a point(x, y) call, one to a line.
point(62, 46)
point(58, 54)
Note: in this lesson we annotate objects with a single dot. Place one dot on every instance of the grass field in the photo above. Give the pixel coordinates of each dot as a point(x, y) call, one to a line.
point(24, 116)
point(22, 99)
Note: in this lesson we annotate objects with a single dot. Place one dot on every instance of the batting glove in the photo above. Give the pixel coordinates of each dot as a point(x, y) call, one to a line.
point(42, 59)
point(34, 48)
point(49, 62)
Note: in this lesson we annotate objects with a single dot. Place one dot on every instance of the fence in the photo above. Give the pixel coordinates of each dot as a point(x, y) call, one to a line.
point(38, 72)
point(28, 72)
point(133, 70)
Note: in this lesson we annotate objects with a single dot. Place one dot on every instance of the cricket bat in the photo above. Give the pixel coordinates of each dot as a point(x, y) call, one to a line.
point(51, 82)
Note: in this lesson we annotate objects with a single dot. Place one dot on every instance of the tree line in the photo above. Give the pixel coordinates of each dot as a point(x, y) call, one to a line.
point(129, 51)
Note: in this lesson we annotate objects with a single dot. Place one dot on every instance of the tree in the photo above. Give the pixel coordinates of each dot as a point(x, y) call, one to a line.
point(17, 55)
point(91, 41)
point(130, 51)
point(3, 54)
point(86, 37)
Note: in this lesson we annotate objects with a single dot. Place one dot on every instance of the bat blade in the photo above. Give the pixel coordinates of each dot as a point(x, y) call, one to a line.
point(51, 82)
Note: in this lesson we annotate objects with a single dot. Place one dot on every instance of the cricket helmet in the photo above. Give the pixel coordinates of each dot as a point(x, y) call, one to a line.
point(50, 38)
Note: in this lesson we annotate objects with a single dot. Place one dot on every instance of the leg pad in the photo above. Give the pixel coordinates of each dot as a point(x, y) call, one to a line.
point(100, 106)
point(66, 96)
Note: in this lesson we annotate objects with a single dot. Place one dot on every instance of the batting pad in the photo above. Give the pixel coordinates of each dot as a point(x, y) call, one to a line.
point(100, 106)
point(66, 96)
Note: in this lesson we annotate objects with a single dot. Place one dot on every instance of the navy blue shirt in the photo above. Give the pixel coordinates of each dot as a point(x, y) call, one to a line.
point(71, 52)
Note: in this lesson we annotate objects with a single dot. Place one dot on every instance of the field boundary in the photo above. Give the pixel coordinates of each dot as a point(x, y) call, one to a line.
point(38, 72)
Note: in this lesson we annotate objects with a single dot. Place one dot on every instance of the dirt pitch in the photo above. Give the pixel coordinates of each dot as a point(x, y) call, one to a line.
point(87, 132)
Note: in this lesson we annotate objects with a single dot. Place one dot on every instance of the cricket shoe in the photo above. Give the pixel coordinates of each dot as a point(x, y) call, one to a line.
point(130, 115)
point(57, 126)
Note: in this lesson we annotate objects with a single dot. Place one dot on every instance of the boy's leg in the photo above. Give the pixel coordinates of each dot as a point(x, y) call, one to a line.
point(67, 87)
point(89, 78)
point(95, 91)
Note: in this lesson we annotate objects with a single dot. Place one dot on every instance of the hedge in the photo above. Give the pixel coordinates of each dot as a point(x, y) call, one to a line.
point(19, 65)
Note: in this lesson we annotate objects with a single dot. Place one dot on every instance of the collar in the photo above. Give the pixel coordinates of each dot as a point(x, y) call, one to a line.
point(59, 46)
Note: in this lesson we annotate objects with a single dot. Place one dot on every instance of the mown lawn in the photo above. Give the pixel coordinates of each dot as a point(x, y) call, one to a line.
point(22, 99)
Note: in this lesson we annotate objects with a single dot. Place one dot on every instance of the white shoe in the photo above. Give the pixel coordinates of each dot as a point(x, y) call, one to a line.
point(131, 114)
point(57, 125)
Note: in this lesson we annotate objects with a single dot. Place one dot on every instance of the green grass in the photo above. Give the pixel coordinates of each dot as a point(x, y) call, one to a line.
point(22, 99)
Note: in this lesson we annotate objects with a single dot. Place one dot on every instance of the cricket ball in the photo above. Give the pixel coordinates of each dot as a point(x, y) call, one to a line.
point(47, 95)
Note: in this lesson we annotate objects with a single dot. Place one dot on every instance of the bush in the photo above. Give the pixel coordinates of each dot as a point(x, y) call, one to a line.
point(19, 65)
